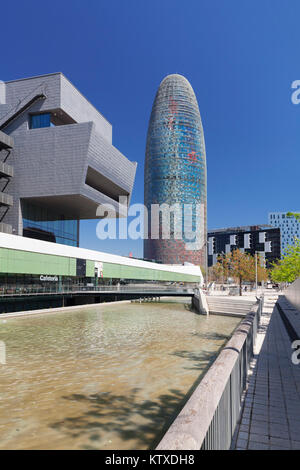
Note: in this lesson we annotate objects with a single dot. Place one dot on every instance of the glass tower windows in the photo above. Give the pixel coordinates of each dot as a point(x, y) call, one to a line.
point(175, 166)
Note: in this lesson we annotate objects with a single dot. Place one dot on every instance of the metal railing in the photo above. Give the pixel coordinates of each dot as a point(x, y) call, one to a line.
point(222, 427)
point(9, 291)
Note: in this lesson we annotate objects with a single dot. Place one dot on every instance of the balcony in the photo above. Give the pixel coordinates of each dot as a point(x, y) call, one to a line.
point(6, 200)
point(6, 170)
point(5, 228)
point(6, 142)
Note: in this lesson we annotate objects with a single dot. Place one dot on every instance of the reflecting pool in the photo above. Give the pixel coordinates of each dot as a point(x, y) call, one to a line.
point(105, 377)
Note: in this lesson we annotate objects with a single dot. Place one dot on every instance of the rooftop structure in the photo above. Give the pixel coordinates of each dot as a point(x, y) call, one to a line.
point(241, 228)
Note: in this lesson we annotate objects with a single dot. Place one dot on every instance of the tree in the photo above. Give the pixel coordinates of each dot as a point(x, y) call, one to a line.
point(203, 271)
point(242, 267)
point(288, 268)
point(294, 214)
point(215, 273)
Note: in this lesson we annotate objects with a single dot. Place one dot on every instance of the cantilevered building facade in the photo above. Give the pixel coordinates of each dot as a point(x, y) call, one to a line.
point(175, 174)
point(57, 161)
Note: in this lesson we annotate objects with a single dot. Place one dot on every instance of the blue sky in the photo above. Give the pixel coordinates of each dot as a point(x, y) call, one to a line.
point(240, 57)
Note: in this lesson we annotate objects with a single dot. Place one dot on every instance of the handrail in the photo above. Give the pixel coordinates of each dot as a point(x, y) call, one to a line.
point(28, 290)
point(15, 110)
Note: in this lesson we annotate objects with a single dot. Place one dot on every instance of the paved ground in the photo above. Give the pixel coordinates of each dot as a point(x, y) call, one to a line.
point(271, 409)
point(245, 295)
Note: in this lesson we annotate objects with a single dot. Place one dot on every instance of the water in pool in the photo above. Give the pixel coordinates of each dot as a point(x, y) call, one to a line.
point(106, 377)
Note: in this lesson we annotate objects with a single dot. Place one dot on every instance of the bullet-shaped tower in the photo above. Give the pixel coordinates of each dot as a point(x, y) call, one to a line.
point(175, 176)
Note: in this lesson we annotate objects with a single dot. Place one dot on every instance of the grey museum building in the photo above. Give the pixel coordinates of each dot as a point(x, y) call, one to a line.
point(57, 161)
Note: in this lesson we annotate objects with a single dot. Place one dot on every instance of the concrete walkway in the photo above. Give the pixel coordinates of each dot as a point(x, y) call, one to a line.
point(270, 416)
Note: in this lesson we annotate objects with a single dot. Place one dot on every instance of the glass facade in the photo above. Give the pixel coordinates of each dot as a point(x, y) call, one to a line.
point(43, 224)
point(289, 228)
point(40, 120)
point(175, 171)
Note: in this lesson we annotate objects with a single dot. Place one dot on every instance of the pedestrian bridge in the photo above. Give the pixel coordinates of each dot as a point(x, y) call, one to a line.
point(156, 291)
point(31, 297)
point(35, 297)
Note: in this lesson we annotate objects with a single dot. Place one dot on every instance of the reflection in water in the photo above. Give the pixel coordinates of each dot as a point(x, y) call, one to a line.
point(107, 377)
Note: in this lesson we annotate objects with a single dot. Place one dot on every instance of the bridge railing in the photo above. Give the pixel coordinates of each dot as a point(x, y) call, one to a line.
point(209, 418)
point(65, 289)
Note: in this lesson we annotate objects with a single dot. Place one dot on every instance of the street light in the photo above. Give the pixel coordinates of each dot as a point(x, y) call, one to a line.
point(256, 272)
point(206, 264)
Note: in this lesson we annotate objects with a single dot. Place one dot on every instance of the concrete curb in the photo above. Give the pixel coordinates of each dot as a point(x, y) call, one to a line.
point(47, 311)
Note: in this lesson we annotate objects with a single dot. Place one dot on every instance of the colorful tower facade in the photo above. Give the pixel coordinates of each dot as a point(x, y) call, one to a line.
point(175, 176)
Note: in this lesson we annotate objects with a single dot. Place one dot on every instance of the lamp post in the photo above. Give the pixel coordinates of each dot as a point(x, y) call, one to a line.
point(256, 272)
point(206, 265)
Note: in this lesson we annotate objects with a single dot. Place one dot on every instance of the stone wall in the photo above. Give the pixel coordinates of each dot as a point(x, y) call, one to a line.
point(292, 294)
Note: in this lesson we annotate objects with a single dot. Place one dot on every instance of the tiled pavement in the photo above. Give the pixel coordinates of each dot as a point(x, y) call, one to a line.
point(270, 416)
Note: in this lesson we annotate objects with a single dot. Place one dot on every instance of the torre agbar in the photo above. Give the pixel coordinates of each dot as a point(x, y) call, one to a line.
point(175, 175)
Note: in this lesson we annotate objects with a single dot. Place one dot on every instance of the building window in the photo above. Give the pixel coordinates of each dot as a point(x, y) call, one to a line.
point(40, 120)
point(43, 224)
